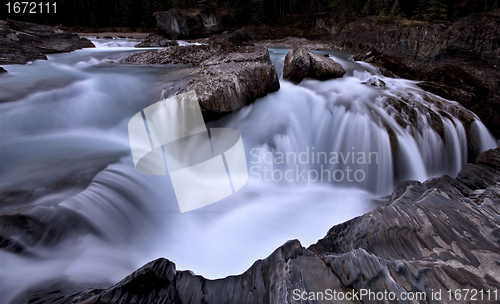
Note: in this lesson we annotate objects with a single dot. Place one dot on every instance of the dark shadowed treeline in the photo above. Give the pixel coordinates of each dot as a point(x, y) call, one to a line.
point(139, 13)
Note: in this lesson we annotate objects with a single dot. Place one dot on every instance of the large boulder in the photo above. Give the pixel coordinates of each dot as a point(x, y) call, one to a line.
point(323, 67)
point(228, 81)
point(300, 63)
point(22, 42)
point(429, 237)
point(297, 64)
point(226, 77)
point(190, 23)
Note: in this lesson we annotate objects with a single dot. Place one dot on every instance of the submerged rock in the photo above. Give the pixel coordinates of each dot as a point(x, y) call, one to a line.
point(22, 42)
point(227, 77)
point(26, 227)
point(430, 236)
point(300, 63)
point(190, 23)
point(2, 70)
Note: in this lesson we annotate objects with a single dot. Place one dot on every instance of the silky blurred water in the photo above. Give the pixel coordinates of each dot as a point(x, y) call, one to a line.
point(71, 112)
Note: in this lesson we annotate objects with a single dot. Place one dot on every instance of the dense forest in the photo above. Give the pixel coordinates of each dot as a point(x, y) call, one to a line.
point(139, 13)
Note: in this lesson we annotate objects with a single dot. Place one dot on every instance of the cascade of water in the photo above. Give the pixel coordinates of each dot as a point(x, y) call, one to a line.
point(370, 130)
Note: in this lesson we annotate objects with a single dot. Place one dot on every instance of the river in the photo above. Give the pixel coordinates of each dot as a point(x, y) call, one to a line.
point(70, 113)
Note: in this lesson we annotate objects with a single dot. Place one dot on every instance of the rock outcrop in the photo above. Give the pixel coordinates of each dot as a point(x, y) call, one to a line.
point(430, 237)
point(22, 42)
point(226, 78)
point(191, 55)
point(238, 37)
point(190, 23)
point(156, 40)
point(461, 59)
point(300, 63)
point(227, 82)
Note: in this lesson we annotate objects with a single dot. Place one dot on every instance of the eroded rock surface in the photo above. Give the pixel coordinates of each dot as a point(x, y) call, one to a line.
point(459, 60)
point(300, 63)
point(156, 40)
point(22, 42)
point(227, 77)
point(190, 23)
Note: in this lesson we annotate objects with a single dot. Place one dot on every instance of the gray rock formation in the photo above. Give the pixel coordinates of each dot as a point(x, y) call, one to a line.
point(238, 37)
point(323, 67)
point(460, 59)
point(297, 64)
point(227, 77)
point(435, 236)
point(191, 55)
point(2, 70)
point(325, 25)
point(156, 40)
point(22, 42)
point(228, 82)
point(300, 63)
point(190, 23)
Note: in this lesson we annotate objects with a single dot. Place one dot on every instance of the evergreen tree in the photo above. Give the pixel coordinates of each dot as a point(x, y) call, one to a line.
point(207, 5)
point(241, 9)
point(125, 17)
point(257, 11)
point(437, 12)
point(369, 8)
point(177, 4)
point(432, 11)
point(160, 5)
point(148, 14)
point(93, 21)
point(396, 10)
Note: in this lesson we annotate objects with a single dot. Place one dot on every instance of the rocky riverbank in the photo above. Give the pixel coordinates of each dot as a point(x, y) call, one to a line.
point(442, 234)
point(22, 42)
point(457, 61)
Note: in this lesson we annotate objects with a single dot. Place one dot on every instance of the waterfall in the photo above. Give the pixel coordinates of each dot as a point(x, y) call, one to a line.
point(414, 134)
point(338, 145)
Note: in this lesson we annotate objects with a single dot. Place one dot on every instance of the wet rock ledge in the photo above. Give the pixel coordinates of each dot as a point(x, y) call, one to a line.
point(458, 60)
point(442, 234)
point(226, 77)
point(22, 42)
